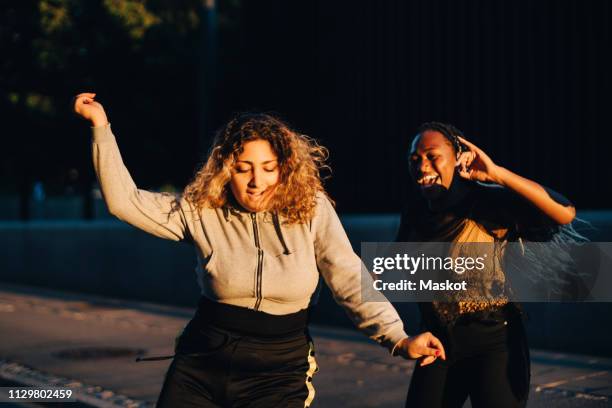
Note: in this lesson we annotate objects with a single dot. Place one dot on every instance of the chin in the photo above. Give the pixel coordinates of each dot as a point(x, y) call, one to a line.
point(433, 193)
point(250, 207)
point(254, 207)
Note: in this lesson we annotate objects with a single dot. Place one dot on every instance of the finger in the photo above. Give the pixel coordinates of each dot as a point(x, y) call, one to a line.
point(464, 174)
point(468, 175)
point(429, 351)
point(80, 102)
point(87, 94)
point(466, 142)
point(462, 161)
point(461, 158)
point(82, 98)
point(469, 144)
point(77, 104)
point(427, 360)
point(464, 171)
point(470, 158)
point(437, 344)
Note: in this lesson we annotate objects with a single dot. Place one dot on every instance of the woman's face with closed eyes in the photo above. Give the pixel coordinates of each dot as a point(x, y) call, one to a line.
point(255, 175)
point(432, 163)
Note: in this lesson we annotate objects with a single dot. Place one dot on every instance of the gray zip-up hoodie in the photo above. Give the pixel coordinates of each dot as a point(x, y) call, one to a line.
point(247, 259)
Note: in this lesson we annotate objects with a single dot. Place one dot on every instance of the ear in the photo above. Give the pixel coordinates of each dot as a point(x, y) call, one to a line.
point(458, 153)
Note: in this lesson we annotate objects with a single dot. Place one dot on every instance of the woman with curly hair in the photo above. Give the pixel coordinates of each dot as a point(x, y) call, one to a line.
point(465, 197)
point(264, 231)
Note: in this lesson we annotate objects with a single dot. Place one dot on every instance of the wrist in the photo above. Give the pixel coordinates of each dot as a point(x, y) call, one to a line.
point(500, 176)
point(99, 122)
point(398, 347)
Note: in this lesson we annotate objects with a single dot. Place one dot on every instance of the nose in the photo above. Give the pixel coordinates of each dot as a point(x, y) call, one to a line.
point(424, 166)
point(257, 179)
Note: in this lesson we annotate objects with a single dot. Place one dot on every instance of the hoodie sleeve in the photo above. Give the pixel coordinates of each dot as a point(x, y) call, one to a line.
point(342, 270)
point(160, 214)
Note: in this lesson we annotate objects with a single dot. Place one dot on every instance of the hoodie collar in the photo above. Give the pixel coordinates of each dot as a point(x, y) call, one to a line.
point(232, 208)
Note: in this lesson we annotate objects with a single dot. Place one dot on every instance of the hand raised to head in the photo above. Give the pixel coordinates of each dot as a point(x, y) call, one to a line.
point(476, 165)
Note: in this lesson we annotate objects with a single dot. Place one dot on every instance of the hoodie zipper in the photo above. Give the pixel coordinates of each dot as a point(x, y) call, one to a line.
point(259, 270)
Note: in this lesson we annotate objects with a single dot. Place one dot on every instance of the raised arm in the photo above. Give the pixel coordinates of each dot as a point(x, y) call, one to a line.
point(477, 165)
point(371, 312)
point(161, 214)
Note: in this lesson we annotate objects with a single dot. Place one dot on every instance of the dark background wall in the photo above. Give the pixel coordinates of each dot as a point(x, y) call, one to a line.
point(528, 81)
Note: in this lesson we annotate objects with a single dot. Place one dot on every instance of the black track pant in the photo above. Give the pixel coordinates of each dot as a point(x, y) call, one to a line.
point(480, 366)
point(233, 367)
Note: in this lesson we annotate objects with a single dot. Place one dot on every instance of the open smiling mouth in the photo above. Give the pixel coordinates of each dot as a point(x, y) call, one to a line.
point(428, 181)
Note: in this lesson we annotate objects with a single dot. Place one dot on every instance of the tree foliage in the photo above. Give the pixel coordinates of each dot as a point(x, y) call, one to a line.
point(138, 55)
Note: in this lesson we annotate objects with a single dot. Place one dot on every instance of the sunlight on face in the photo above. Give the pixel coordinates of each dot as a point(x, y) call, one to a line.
point(432, 163)
point(255, 175)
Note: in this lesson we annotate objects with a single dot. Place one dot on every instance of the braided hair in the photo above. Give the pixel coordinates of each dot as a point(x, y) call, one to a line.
point(451, 133)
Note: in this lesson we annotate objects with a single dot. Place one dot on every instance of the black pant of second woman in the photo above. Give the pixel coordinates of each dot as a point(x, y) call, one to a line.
point(255, 360)
point(480, 366)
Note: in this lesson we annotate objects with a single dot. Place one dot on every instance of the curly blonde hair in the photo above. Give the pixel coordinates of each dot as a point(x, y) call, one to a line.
point(301, 160)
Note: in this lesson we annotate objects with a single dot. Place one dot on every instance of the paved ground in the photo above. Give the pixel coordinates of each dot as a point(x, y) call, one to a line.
point(78, 340)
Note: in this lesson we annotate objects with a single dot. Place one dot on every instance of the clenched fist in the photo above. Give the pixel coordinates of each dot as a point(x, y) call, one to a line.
point(86, 107)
